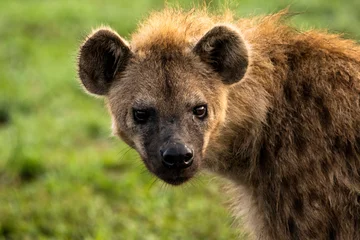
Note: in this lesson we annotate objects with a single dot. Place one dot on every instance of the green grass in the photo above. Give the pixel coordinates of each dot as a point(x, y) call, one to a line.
point(61, 174)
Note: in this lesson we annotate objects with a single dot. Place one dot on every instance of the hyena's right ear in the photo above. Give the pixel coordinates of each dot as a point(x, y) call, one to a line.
point(223, 49)
point(103, 54)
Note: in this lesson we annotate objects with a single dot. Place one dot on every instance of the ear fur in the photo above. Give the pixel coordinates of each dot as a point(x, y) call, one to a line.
point(101, 57)
point(224, 50)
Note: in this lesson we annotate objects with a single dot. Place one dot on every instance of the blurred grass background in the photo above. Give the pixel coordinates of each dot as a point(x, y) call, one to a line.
point(61, 174)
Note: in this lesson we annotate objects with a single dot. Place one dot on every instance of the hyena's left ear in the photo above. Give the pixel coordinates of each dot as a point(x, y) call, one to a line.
point(224, 50)
point(101, 57)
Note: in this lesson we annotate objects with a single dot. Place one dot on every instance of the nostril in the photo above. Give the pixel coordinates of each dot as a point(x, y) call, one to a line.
point(188, 157)
point(168, 160)
point(169, 157)
point(177, 156)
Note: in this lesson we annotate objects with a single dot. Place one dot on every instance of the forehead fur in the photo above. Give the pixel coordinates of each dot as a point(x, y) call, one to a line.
point(174, 29)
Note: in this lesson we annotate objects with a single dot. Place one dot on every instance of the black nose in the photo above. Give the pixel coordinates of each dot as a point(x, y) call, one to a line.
point(176, 155)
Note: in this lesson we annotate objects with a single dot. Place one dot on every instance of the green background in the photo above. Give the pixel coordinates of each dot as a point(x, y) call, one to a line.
point(61, 174)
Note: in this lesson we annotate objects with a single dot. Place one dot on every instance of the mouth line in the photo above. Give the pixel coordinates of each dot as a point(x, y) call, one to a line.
point(176, 181)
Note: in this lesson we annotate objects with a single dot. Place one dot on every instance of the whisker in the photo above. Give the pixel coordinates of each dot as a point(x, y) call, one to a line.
point(139, 164)
point(123, 150)
point(199, 180)
point(144, 171)
point(125, 154)
point(153, 182)
point(164, 186)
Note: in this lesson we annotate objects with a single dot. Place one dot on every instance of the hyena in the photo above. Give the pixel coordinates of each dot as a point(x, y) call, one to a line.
point(274, 110)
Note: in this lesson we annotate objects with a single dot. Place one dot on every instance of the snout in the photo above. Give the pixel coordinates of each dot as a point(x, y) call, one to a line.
point(176, 156)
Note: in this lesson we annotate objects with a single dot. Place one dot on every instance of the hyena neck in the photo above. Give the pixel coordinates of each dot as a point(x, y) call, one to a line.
point(235, 150)
point(236, 146)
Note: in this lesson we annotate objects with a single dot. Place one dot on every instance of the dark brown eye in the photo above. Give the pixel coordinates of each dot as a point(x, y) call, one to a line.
point(141, 116)
point(200, 111)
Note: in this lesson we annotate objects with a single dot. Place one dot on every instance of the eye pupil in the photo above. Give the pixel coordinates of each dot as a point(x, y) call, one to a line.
point(200, 111)
point(141, 116)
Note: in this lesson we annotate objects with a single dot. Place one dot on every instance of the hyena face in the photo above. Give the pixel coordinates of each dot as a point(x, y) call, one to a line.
point(169, 111)
point(166, 102)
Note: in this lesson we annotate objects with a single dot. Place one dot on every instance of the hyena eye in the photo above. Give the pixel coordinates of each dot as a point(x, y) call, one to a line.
point(141, 116)
point(200, 111)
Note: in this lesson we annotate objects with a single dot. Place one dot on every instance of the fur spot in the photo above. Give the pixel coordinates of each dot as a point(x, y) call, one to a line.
point(346, 149)
point(332, 233)
point(293, 229)
point(337, 144)
point(298, 206)
point(278, 145)
point(349, 152)
point(292, 62)
point(357, 144)
point(299, 139)
point(324, 113)
point(325, 169)
point(306, 91)
point(264, 158)
point(288, 92)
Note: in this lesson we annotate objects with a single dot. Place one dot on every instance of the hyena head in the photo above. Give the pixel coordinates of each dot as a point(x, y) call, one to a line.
point(166, 100)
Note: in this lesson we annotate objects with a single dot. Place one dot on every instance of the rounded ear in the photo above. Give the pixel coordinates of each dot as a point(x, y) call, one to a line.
point(224, 50)
point(101, 57)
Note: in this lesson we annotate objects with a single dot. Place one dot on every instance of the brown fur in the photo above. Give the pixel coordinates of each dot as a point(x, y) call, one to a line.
point(287, 135)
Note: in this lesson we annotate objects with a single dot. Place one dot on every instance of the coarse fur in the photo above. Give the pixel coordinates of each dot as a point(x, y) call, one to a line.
point(285, 133)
